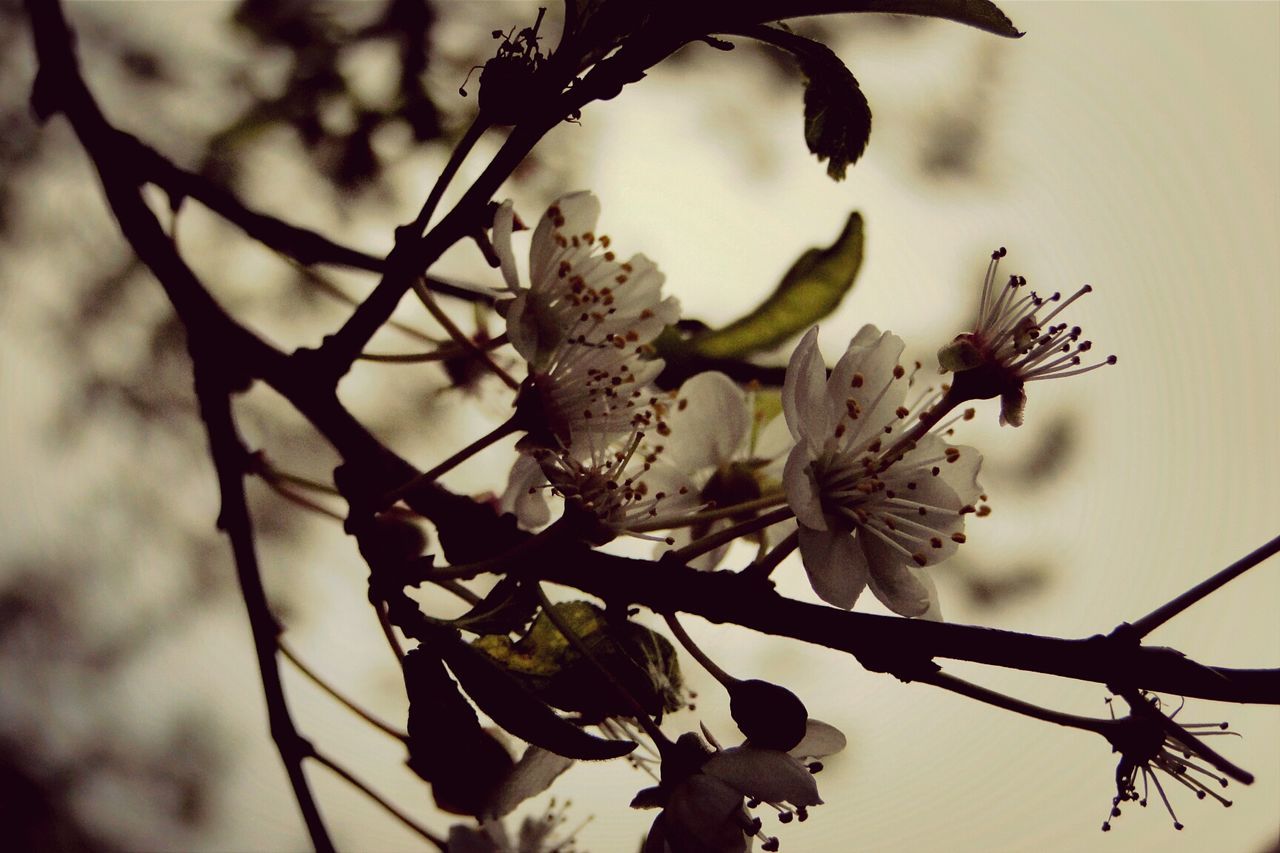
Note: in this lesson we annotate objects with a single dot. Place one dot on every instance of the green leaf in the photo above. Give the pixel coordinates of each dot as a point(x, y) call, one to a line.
point(511, 705)
point(810, 290)
point(643, 661)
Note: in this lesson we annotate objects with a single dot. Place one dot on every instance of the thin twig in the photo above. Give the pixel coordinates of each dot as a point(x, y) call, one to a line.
point(351, 706)
point(229, 456)
point(460, 151)
point(395, 812)
point(1141, 627)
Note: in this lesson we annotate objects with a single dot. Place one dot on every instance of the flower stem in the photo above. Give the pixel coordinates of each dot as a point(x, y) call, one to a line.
point(343, 700)
point(764, 566)
point(1165, 612)
point(395, 812)
point(659, 739)
point(501, 431)
point(672, 521)
point(439, 354)
point(420, 288)
point(715, 540)
point(700, 656)
point(1009, 703)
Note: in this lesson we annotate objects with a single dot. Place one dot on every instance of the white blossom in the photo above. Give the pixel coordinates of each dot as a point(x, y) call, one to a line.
point(705, 809)
point(1013, 342)
point(715, 450)
point(875, 506)
point(582, 326)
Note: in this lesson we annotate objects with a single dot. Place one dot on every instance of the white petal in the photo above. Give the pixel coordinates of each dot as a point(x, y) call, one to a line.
point(580, 211)
point(522, 328)
point(522, 496)
point(876, 359)
point(773, 443)
point(503, 223)
point(895, 581)
point(838, 384)
point(532, 774)
point(765, 774)
point(804, 392)
point(820, 739)
point(802, 491)
point(709, 424)
point(837, 570)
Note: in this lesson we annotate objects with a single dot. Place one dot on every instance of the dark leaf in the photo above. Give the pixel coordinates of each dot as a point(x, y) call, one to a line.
point(508, 607)
point(837, 118)
point(982, 14)
point(513, 707)
point(810, 290)
point(464, 764)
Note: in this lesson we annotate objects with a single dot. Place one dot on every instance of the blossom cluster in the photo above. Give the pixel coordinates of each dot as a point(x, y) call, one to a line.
point(874, 493)
point(857, 471)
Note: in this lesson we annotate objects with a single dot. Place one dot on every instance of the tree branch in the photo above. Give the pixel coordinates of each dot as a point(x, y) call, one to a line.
point(230, 458)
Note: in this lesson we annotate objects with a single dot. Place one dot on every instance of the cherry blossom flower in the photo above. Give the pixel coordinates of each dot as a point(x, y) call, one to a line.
point(1013, 343)
point(875, 503)
point(582, 326)
point(717, 451)
point(1146, 744)
point(608, 486)
point(705, 792)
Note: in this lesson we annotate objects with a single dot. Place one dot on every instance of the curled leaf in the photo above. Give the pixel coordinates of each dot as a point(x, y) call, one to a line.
point(810, 290)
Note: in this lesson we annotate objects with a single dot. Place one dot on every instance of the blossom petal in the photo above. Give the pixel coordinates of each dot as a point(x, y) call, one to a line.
point(897, 584)
point(578, 214)
point(710, 423)
point(522, 327)
point(503, 225)
point(531, 775)
point(804, 401)
point(765, 774)
point(874, 355)
point(820, 739)
point(522, 495)
point(773, 442)
point(836, 567)
point(802, 491)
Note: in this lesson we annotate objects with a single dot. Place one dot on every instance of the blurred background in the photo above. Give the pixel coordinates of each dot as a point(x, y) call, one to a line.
point(1135, 147)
